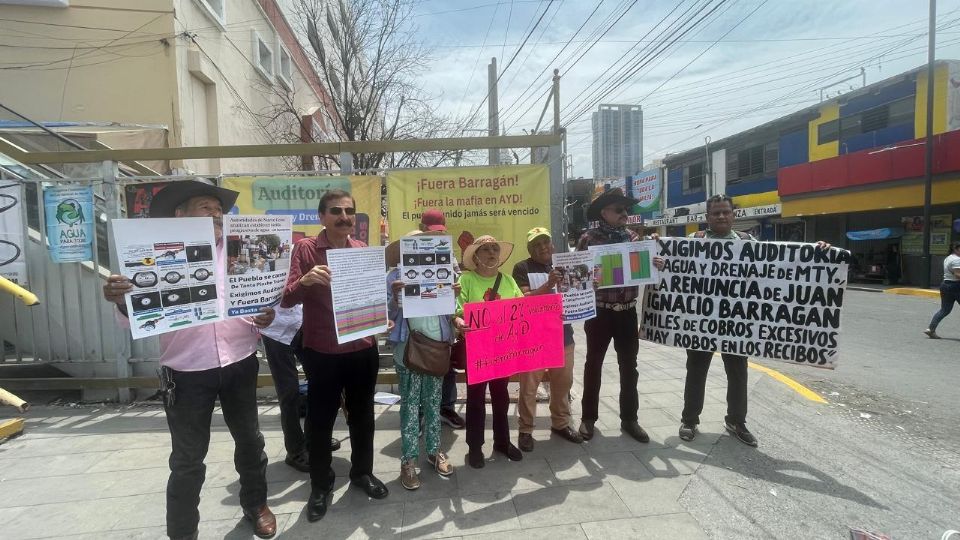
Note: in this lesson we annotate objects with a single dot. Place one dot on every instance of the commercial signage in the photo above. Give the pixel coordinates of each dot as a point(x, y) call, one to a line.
point(753, 212)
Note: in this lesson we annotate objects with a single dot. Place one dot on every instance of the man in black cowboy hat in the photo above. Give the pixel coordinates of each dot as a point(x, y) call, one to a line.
point(616, 319)
point(201, 365)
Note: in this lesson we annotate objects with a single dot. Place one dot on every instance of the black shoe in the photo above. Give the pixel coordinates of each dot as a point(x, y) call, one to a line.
point(475, 459)
point(634, 430)
point(452, 419)
point(512, 452)
point(317, 504)
point(525, 442)
point(334, 444)
point(688, 431)
point(373, 487)
point(741, 432)
point(586, 430)
point(569, 434)
point(300, 461)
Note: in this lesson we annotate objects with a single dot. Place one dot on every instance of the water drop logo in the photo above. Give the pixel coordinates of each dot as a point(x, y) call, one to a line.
point(69, 212)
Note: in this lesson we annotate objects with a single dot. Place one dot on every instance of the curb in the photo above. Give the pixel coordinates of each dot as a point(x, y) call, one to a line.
point(914, 292)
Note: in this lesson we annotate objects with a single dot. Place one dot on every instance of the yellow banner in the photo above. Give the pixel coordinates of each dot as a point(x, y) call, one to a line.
point(298, 196)
point(505, 202)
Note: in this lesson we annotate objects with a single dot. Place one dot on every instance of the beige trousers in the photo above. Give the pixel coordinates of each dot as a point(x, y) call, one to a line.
point(561, 380)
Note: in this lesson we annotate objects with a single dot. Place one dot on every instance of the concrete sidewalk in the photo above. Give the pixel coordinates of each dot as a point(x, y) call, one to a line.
point(100, 472)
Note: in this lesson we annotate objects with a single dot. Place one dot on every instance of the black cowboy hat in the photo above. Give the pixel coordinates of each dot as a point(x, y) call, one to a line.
point(612, 196)
point(166, 201)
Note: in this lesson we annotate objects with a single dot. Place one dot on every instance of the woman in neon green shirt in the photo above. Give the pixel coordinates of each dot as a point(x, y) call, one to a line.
point(481, 282)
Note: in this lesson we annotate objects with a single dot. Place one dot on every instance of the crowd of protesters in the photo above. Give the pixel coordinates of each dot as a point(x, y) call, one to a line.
point(217, 362)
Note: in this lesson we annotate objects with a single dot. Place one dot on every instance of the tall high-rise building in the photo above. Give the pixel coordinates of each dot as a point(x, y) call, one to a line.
point(617, 141)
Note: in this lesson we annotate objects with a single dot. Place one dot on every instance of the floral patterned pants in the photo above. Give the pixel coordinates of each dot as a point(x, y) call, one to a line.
point(419, 394)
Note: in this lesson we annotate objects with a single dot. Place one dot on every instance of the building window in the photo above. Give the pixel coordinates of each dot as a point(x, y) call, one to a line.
point(262, 56)
point(771, 157)
point(750, 161)
point(285, 71)
point(902, 111)
point(828, 132)
point(215, 9)
point(889, 114)
point(693, 177)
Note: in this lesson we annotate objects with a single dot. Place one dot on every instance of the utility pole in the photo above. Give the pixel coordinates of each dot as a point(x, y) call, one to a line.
point(493, 113)
point(556, 102)
point(928, 176)
point(707, 168)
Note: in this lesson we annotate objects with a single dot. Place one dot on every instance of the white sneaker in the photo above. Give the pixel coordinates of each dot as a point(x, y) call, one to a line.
point(932, 334)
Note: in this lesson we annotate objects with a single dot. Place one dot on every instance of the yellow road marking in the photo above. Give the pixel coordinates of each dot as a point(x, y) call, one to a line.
point(797, 387)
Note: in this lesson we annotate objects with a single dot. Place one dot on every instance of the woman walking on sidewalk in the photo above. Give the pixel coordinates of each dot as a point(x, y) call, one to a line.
point(949, 289)
point(483, 281)
point(419, 392)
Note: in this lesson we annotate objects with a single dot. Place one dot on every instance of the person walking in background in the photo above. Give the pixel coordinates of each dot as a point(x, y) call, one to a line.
point(482, 281)
point(419, 392)
point(949, 289)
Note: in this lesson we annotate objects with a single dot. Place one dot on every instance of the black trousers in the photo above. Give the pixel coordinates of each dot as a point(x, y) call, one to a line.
point(448, 392)
point(283, 367)
point(477, 413)
point(188, 418)
point(698, 364)
point(354, 375)
point(621, 327)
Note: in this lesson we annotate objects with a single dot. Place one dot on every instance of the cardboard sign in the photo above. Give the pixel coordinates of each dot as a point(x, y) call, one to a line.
point(513, 336)
point(775, 300)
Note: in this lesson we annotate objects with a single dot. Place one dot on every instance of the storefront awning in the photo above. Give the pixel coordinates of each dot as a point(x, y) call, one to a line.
point(876, 234)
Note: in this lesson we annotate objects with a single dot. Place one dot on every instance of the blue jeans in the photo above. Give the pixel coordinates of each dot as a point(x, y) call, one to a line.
point(949, 295)
point(188, 418)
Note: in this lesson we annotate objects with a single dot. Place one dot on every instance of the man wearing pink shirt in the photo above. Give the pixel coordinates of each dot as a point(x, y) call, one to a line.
point(200, 365)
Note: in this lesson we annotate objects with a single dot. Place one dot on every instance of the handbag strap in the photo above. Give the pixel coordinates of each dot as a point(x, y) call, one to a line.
point(496, 286)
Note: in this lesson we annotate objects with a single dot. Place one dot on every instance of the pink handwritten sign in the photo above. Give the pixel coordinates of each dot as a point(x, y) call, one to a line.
point(513, 336)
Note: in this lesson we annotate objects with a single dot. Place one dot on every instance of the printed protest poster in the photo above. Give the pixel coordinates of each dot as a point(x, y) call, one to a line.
point(645, 187)
point(299, 196)
point(13, 260)
point(775, 300)
point(624, 265)
point(359, 288)
point(515, 335)
point(68, 212)
point(173, 265)
point(426, 269)
point(258, 261)
point(505, 201)
point(576, 285)
point(138, 197)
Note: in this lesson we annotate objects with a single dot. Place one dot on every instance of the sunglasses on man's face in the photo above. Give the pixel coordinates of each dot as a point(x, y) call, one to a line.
point(339, 210)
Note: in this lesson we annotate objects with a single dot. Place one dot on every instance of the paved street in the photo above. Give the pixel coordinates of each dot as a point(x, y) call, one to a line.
point(100, 471)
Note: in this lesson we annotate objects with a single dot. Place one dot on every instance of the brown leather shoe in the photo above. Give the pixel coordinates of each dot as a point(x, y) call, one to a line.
point(263, 520)
point(525, 442)
point(569, 434)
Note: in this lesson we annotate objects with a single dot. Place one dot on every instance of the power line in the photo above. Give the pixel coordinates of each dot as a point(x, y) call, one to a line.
point(514, 57)
point(597, 96)
point(477, 62)
point(548, 64)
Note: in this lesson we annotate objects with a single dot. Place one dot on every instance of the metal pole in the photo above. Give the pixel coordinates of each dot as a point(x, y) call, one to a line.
point(122, 340)
point(928, 175)
point(556, 102)
point(708, 170)
point(493, 113)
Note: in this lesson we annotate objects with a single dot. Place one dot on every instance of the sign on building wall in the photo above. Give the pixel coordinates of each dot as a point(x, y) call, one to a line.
point(68, 213)
point(299, 196)
point(645, 187)
point(912, 241)
point(752, 212)
point(13, 260)
point(505, 201)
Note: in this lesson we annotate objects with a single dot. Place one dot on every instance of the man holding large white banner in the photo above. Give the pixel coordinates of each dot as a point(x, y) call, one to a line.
point(731, 294)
